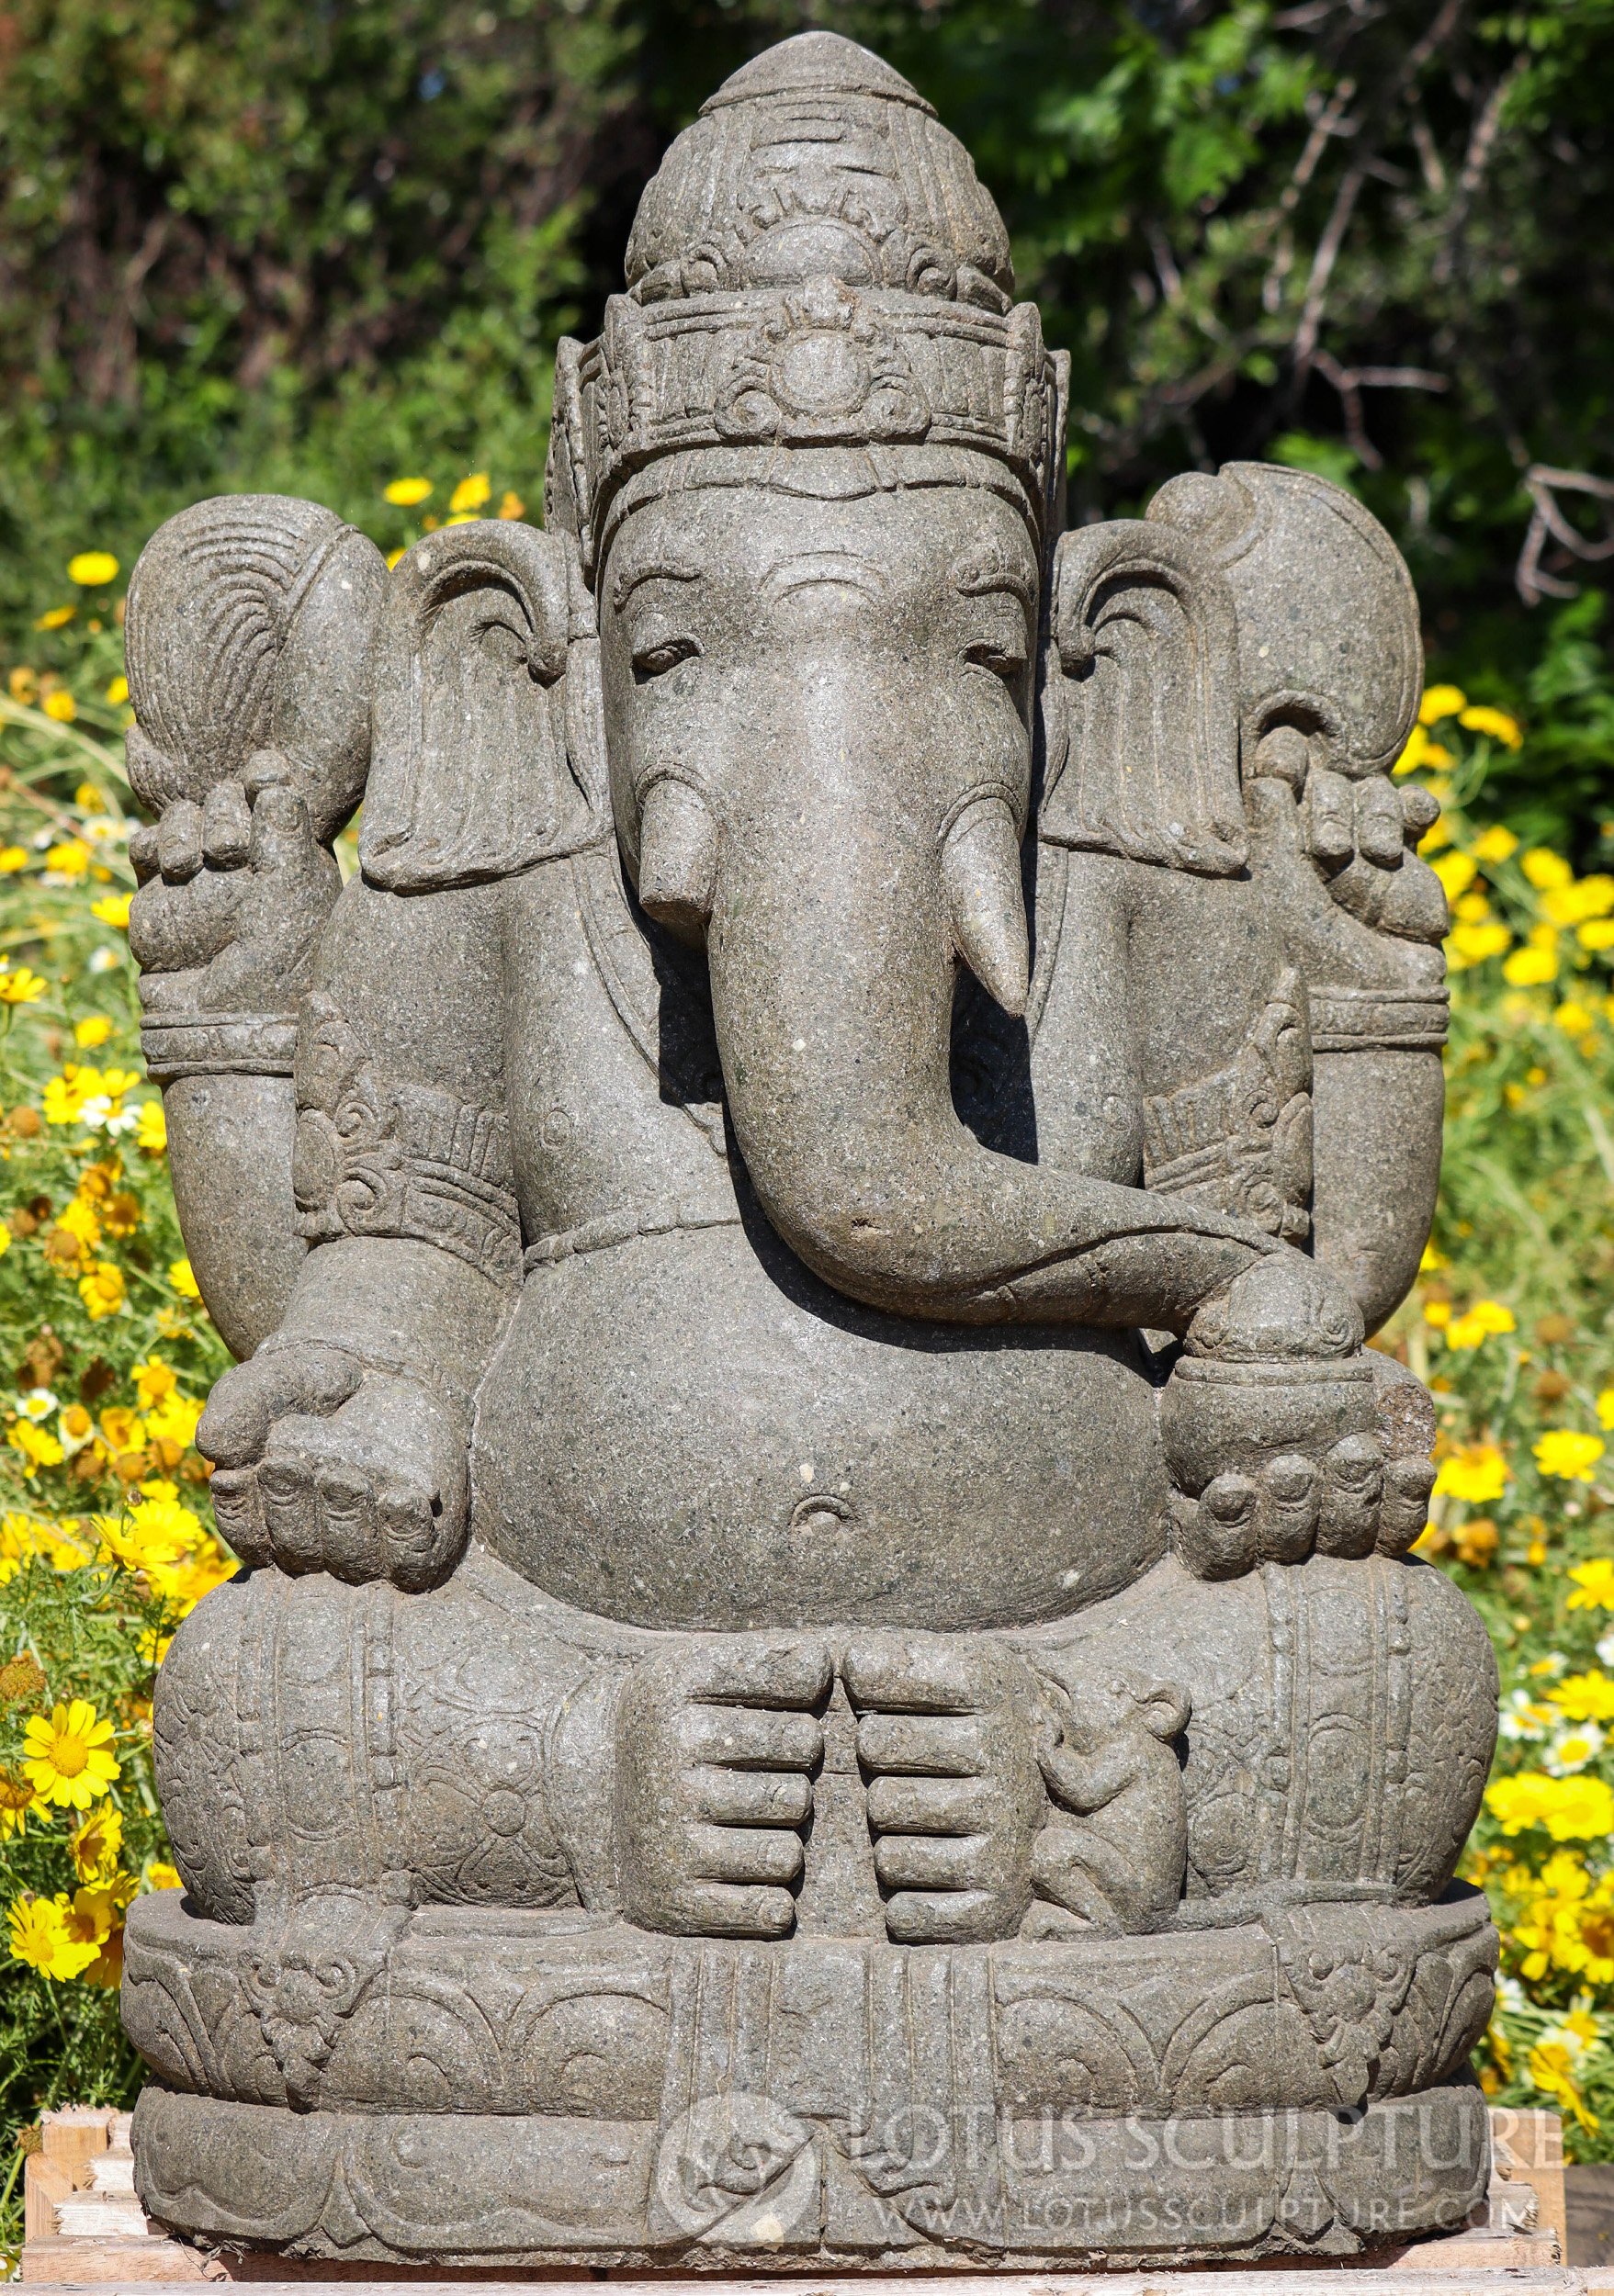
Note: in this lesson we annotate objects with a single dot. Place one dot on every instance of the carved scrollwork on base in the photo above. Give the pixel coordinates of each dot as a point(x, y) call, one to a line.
point(464, 2011)
point(739, 2179)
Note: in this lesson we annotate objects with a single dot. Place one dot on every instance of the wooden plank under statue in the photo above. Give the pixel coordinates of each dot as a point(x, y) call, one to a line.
point(830, 1676)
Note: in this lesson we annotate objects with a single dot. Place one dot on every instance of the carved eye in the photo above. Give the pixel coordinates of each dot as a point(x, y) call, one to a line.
point(655, 659)
point(1004, 661)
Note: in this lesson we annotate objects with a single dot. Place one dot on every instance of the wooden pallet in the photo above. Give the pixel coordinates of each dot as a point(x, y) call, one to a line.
point(85, 2228)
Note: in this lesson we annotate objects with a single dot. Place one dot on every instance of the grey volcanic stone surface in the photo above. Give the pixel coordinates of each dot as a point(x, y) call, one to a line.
point(828, 1668)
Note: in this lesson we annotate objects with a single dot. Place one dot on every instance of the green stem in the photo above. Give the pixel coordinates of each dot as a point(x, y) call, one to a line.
point(36, 722)
point(11, 2175)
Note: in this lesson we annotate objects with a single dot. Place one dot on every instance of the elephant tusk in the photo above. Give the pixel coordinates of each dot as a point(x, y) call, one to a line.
point(980, 877)
point(677, 859)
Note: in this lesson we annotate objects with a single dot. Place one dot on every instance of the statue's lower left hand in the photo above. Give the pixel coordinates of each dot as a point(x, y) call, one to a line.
point(323, 1465)
point(947, 1734)
point(1275, 1434)
point(718, 1740)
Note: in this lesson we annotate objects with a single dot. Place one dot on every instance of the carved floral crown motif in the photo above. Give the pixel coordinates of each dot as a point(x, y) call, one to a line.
point(815, 265)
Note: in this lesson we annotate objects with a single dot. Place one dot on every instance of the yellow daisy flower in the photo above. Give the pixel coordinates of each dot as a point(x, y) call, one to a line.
point(66, 1755)
point(1474, 1472)
point(1594, 1585)
point(18, 1802)
point(21, 988)
point(1565, 1452)
point(469, 494)
point(93, 570)
point(153, 1379)
point(38, 1936)
point(1440, 701)
point(96, 1845)
point(102, 1291)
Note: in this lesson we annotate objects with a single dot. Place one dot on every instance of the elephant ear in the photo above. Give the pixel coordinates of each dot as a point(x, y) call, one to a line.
point(486, 751)
point(1349, 667)
point(1141, 702)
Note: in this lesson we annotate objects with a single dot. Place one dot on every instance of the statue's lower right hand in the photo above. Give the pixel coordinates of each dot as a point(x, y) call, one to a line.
point(716, 1745)
point(323, 1465)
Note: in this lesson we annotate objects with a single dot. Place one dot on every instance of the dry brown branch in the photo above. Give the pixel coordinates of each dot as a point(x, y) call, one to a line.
point(1549, 523)
point(1482, 142)
point(1323, 262)
point(1352, 381)
point(1442, 27)
point(1330, 121)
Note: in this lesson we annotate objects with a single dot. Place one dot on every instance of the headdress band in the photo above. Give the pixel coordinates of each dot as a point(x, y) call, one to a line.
point(820, 365)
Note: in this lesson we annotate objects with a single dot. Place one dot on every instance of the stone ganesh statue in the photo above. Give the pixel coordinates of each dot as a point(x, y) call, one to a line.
point(827, 1633)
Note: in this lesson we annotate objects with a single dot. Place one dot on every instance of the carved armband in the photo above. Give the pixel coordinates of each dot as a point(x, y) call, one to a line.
point(1240, 1141)
point(382, 1156)
point(1378, 1019)
point(219, 1044)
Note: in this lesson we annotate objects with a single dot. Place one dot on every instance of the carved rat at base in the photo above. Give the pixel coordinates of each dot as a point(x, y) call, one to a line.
point(1110, 1761)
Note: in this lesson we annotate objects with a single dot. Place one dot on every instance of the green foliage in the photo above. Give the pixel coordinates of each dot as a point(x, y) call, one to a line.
point(1512, 1327)
point(250, 247)
point(257, 247)
point(105, 1528)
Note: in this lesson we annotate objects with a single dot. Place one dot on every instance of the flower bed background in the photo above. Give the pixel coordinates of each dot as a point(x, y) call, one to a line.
point(106, 1536)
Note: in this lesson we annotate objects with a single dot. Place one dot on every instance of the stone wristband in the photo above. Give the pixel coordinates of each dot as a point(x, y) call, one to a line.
point(1373, 1019)
point(219, 1044)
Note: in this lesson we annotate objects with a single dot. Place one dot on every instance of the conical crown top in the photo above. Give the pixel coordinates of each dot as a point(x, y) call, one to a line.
point(814, 266)
point(816, 63)
point(817, 159)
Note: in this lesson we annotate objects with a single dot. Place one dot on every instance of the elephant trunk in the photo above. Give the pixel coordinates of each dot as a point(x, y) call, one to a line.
point(838, 907)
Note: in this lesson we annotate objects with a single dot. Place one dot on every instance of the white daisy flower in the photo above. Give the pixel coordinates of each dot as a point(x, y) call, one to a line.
point(1571, 1753)
point(1522, 1718)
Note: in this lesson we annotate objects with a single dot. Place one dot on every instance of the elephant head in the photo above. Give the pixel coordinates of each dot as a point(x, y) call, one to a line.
point(814, 475)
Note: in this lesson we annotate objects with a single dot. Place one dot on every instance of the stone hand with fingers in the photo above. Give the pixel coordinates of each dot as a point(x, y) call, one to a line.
point(715, 1747)
point(1279, 1439)
point(1355, 837)
point(325, 1465)
point(251, 683)
point(947, 1741)
point(233, 894)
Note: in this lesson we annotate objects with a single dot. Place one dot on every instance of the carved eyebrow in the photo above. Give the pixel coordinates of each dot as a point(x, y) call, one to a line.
point(629, 579)
point(980, 572)
point(841, 568)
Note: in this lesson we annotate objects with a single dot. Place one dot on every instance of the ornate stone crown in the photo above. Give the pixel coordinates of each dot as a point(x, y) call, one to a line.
point(815, 265)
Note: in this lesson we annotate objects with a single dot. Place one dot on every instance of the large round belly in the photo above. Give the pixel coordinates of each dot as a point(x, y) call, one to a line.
point(676, 1434)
